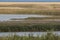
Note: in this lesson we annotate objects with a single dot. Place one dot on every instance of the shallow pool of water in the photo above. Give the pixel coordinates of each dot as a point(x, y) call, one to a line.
point(26, 33)
point(5, 17)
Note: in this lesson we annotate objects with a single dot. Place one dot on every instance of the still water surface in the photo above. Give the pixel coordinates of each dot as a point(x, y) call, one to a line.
point(6, 17)
point(26, 33)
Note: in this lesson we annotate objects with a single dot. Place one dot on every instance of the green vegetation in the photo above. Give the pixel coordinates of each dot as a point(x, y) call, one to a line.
point(49, 36)
point(24, 27)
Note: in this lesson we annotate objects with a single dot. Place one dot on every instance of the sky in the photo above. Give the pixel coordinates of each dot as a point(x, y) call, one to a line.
point(29, 0)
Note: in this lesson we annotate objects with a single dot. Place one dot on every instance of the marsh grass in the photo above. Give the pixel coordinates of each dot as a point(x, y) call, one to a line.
point(42, 9)
point(25, 27)
point(30, 11)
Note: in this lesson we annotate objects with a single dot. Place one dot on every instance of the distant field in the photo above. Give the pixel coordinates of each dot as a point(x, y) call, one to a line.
point(43, 8)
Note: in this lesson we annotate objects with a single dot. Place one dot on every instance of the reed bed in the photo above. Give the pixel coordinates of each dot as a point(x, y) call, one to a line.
point(28, 27)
